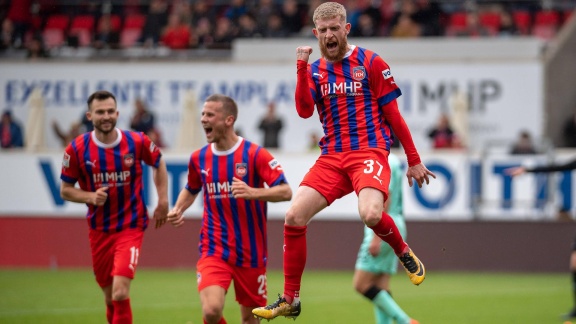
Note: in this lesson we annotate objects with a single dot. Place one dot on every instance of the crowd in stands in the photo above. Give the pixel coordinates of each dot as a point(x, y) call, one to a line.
point(41, 25)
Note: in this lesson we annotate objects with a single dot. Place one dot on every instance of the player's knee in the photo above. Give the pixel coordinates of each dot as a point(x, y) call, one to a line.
point(120, 293)
point(295, 219)
point(370, 215)
point(212, 314)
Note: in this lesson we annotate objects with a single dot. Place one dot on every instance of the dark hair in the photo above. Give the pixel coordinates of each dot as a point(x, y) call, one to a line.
point(100, 95)
point(228, 104)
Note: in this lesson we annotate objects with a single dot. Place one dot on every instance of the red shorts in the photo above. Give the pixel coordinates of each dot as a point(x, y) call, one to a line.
point(335, 175)
point(115, 254)
point(249, 283)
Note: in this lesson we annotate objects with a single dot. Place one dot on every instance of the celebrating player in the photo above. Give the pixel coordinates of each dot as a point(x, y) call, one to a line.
point(107, 163)
point(355, 96)
point(232, 172)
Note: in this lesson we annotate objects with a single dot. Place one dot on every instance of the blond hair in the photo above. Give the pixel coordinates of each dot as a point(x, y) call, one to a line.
point(329, 10)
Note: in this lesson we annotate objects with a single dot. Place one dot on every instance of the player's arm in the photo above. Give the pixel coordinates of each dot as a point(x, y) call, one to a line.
point(69, 192)
point(160, 176)
point(416, 169)
point(303, 97)
point(516, 171)
point(184, 201)
point(280, 192)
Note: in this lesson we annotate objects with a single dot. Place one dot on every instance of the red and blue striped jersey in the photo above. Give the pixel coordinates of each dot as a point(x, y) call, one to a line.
point(233, 229)
point(118, 166)
point(350, 95)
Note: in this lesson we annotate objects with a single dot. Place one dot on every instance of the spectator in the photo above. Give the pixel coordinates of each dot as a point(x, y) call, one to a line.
point(156, 19)
point(405, 27)
point(313, 143)
point(11, 134)
point(106, 35)
point(402, 23)
point(67, 137)
point(271, 125)
point(570, 132)
point(203, 35)
point(473, 27)
point(35, 48)
point(247, 27)
point(524, 144)
point(224, 34)
point(428, 15)
point(177, 34)
point(365, 27)
point(7, 34)
point(291, 16)
point(264, 10)
point(275, 27)
point(142, 120)
point(442, 135)
point(507, 25)
point(20, 15)
point(86, 124)
point(237, 9)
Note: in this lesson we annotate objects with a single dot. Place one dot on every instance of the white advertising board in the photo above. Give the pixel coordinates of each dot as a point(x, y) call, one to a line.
point(504, 97)
point(30, 186)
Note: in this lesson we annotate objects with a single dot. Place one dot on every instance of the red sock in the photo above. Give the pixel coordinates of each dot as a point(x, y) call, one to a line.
point(386, 229)
point(294, 260)
point(109, 313)
point(122, 312)
point(221, 321)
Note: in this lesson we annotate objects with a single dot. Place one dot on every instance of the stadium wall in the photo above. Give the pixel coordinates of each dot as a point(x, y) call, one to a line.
point(443, 246)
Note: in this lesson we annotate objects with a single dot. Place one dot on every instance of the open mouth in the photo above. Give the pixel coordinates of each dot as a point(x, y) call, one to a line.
point(208, 130)
point(331, 45)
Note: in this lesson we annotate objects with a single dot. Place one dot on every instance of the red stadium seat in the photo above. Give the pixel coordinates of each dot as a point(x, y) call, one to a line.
point(134, 21)
point(59, 22)
point(523, 21)
point(490, 20)
point(458, 20)
point(547, 17)
point(54, 32)
point(53, 37)
point(85, 22)
point(129, 37)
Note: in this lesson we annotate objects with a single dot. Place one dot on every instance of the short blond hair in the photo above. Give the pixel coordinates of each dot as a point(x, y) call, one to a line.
point(329, 10)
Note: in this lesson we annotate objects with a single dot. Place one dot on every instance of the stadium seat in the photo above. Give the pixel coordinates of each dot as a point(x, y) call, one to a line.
point(82, 27)
point(53, 37)
point(129, 37)
point(547, 17)
point(54, 32)
point(59, 22)
point(134, 21)
point(490, 20)
point(523, 21)
point(458, 20)
point(546, 24)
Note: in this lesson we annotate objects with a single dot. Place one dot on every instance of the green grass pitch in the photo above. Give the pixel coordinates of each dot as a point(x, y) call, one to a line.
point(169, 296)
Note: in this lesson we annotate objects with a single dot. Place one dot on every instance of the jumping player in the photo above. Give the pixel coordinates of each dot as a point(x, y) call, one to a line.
point(355, 95)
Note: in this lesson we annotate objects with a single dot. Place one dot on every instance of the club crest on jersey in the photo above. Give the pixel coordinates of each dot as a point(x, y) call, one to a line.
point(66, 160)
point(241, 169)
point(129, 160)
point(386, 74)
point(358, 73)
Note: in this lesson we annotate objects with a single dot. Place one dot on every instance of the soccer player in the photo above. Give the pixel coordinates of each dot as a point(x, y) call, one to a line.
point(238, 178)
point(355, 96)
point(571, 165)
point(376, 260)
point(107, 164)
